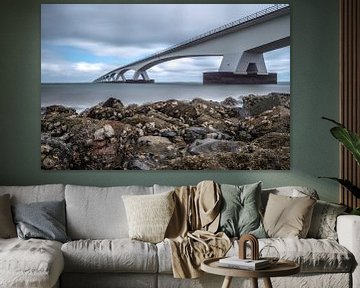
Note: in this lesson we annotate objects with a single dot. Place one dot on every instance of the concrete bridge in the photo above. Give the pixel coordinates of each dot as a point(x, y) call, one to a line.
point(241, 43)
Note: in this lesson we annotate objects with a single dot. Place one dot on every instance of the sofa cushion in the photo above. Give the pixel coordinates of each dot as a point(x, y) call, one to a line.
point(36, 193)
point(323, 222)
point(30, 263)
point(117, 255)
point(7, 226)
point(149, 215)
point(98, 213)
point(287, 216)
point(313, 255)
point(43, 220)
point(240, 212)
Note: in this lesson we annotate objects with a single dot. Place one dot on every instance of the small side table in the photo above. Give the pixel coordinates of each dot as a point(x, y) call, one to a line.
point(281, 268)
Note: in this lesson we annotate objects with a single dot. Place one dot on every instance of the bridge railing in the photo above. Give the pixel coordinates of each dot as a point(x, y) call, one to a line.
point(243, 20)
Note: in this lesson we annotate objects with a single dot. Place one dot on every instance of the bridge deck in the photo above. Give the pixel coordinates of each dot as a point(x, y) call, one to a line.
point(227, 28)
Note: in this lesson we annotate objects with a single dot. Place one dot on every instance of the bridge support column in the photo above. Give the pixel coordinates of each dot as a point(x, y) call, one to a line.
point(142, 74)
point(230, 62)
point(244, 63)
point(245, 68)
point(251, 63)
point(120, 75)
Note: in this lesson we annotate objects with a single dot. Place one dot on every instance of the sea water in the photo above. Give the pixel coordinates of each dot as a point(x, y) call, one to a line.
point(84, 95)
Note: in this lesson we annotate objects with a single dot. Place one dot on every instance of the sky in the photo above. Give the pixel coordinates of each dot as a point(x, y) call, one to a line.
point(81, 42)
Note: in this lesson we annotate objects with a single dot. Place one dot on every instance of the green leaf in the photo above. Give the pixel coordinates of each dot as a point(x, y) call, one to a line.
point(347, 184)
point(348, 138)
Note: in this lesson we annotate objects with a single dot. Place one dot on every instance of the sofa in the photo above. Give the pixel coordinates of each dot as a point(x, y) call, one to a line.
point(99, 252)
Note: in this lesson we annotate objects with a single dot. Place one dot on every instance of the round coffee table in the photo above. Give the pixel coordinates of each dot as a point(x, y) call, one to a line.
point(281, 268)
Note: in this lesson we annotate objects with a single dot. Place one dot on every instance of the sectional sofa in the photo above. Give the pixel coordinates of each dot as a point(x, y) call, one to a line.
point(100, 253)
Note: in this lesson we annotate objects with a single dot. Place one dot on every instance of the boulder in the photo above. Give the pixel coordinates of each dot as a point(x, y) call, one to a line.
point(214, 146)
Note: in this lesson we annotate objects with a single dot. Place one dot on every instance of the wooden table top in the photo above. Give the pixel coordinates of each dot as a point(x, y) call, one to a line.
point(281, 268)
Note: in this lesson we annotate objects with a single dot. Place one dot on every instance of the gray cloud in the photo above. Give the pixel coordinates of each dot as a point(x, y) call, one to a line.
point(134, 24)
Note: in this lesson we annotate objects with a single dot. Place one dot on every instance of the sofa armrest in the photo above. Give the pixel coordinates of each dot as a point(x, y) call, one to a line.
point(348, 230)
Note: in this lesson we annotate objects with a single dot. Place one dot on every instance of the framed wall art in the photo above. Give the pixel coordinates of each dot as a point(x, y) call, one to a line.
point(165, 86)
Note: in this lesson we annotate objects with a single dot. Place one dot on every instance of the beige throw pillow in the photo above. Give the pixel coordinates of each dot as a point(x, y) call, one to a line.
point(288, 217)
point(148, 215)
point(7, 226)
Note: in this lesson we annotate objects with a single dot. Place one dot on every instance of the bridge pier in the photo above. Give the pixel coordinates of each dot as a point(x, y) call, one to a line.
point(140, 76)
point(241, 68)
point(251, 63)
point(234, 78)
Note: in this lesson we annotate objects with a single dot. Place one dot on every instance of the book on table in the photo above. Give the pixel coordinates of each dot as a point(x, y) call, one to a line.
point(249, 264)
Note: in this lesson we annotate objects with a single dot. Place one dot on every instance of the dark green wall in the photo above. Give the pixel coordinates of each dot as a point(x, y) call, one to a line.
point(314, 92)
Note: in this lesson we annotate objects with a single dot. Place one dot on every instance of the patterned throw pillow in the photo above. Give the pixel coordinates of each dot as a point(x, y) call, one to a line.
point(288, 217)
point(240, 213)
point(7, 226)
point(149, 215)
point(323, 223)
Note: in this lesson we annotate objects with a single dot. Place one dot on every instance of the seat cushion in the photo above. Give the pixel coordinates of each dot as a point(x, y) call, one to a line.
point(313, 255)
point(30, 263)
point(117, 255)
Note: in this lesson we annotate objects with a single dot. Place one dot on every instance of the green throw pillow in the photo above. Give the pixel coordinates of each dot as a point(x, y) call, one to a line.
point(240, 213)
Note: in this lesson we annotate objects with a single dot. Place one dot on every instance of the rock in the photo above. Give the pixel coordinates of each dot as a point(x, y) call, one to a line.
point(108, 131)
point(168, 134)
point(105, 132)
point(230, 101)
point(214, 146)
point(113, 103)
point(273, 140)
point(55, 154)
point(158, 146)
point(99, 134)
point(58, 109)
point(177, 109)
point(141, 164)
point(258, 104)
point(195, 162)
point(275, 120)
point(111, 109)
point(193, 133)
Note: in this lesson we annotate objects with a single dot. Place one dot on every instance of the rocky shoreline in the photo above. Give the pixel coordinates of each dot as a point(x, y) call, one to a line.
point(169, 135)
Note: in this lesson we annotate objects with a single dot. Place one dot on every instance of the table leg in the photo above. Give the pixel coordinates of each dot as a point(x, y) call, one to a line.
point(254, 282)
point(227, 282)
point(267, 283)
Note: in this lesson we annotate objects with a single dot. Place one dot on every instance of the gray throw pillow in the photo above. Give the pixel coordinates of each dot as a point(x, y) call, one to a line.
point(240, 213)
point(44, 220)
point(7, 226)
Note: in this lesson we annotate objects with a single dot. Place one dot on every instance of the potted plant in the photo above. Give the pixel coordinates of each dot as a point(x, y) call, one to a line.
point(351, 141)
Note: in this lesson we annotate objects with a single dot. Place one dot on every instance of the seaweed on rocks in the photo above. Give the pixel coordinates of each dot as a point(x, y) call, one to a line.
point(172, 134)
